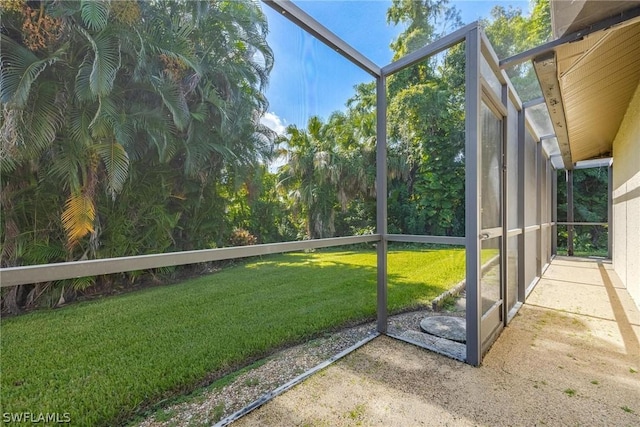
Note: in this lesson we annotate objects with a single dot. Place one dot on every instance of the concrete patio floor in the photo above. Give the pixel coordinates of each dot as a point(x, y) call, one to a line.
point(570, 357)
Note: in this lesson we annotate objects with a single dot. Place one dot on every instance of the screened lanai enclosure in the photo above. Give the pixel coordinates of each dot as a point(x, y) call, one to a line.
point(507, 151)
point(439, 179)
point(509, 192)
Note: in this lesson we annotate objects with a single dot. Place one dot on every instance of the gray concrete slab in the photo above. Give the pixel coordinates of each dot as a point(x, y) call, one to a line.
point(448, 327)
point(569, 357)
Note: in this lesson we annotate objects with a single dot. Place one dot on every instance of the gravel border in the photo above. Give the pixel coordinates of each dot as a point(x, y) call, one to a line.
point(213, 405)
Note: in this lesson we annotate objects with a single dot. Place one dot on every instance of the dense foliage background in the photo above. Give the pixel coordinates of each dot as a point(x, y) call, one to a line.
point(128, 129)
point(590, 205)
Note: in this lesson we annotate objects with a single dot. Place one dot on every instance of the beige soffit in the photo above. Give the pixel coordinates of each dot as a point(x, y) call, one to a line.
point(570, 16)
point(597, 76)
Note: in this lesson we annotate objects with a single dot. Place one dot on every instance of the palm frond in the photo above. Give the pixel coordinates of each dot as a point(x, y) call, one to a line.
point(106, 61)
point(102, 123)
point(175, 43)
point(78, 124)
point(38, 129)
point(173, 98)
point(116, 162)
point(8, 162)
point(77, 217)
point(82, 283)
point(82, 87)
point(95, 14)
point(44, 252)
point(123, 130)
point(74, 161)
point(20, 68)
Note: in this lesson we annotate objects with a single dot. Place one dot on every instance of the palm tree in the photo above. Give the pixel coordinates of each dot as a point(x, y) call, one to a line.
point(329, 165)
point(91, 91)
point(306, 186)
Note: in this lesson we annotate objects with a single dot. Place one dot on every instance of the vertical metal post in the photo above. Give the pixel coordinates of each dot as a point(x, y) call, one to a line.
point(570, 212)
point(522, 286)
point(472, 195)
point(550, 177)
point(381, 200)
point(504, 240)
point(539, 201)
point(548, 196)
point(610, 213)
point(554, 211)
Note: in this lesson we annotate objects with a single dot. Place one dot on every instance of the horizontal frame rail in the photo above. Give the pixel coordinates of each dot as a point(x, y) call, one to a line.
point(431, 49)
point(313, 27)
point(490, 233)
point(13, 276)
point(514, 232)
point(582, 223)
point(415, 238)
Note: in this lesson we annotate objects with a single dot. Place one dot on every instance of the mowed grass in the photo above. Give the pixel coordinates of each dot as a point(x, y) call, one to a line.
point(104, 360)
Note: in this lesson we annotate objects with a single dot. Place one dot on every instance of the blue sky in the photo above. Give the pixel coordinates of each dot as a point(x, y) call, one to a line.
point(310, 79)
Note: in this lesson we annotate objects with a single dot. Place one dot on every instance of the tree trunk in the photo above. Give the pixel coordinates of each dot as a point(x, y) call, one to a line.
point(12, 300)
point(8, 258)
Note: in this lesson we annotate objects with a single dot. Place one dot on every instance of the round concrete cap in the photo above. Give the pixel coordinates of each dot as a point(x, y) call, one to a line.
point(448, 327)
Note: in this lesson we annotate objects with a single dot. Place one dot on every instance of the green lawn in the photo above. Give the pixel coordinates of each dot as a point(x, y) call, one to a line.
point(104, 360)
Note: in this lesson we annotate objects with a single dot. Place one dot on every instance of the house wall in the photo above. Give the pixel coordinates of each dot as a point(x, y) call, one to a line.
point(626, 199)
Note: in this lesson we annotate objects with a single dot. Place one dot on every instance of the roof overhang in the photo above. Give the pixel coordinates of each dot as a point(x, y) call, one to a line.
point(589, 74)
point(569, 17)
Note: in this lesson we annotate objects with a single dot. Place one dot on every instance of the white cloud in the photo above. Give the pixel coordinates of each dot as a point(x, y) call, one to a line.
point(273, 122)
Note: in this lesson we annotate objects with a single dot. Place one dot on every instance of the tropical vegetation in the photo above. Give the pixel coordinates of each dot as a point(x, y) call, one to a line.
point(127, 129)
point(134, 127)
point(589, 205)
